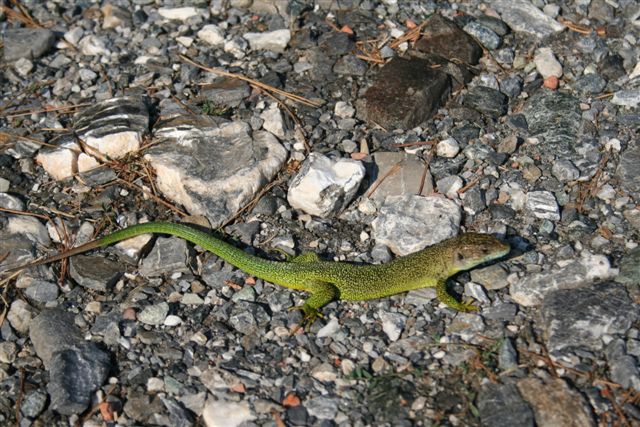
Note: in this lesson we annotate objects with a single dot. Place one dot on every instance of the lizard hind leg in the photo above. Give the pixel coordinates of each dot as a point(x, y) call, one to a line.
point(322, 293)
point(449, 300)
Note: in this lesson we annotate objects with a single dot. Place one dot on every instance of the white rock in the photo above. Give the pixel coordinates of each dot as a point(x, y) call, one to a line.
point(324, 373)
point(116, 145)
point(86, 162)
point(449, 186)
point(93, 46)
point(409, 223)
point(212, 34)
point(344, 110)
point(543, 205)
point(4, 185)
point(61, 163)
point(330, 329)
point(236, 46)
point(74, 35)
point(636, 71)
point(185, 41)
point(30, 226)
point(178, 13)
point(551, 10)
point(275, 41)
point(273, 120)
point(627, 98)
point(448, 148)
point(20, 315)
point(172, 320)
point(546, 63)
point(223, 413)
point(606, 192)
point(323, 186)
point(155, 385)
point(392, 324)
point(23, 66)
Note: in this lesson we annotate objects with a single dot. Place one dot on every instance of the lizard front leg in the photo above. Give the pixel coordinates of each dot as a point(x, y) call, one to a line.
point(445, 297)
point(322, 293)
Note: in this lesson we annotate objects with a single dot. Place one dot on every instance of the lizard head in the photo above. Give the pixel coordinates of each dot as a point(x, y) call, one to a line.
point(470, 249)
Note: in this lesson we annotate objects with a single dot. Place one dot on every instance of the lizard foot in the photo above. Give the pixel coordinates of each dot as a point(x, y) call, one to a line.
point(468, 306)
point(309, 316)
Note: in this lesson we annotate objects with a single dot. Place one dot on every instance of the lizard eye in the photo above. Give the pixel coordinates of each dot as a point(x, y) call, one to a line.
point(460, 256)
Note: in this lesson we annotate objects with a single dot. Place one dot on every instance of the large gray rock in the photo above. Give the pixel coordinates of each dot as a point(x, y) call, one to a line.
point(628, 171)
point(27, 43)
point(409, 223)
point(523, 16)
point(213, 167)
point(580, 318)
point(501, 405)
point(531, 290)
point(76, 367)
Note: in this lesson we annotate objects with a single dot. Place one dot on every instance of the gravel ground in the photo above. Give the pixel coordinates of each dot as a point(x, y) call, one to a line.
point(361, 130)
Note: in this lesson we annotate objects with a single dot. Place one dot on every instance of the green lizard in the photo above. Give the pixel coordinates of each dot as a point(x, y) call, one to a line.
point(328, 281)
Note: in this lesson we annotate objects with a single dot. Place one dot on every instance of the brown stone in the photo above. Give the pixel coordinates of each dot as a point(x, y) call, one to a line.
point(555, 404)
point(405, 93)
point(442, 37)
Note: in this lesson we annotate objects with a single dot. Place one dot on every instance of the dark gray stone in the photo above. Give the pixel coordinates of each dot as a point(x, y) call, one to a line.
point(501, 405)
point(494, 24)
point(590, 84)
point(473, 201)
point(75, 373)
point(405, 93)
point(628, 171)
point(511, 86)
point(487, 101)
point(33, 403)
point(51, 331)
point(351, 66)
point(76, 367)
point(225, 91)
point(623, 368)
point(579, 318)
point(507, 356)
point(95, 272)
point(556, 117)
point(42, 291)
point(179, 416)
point(630, 268)
point(486, 36)
point(248, 317)
point(27, 43)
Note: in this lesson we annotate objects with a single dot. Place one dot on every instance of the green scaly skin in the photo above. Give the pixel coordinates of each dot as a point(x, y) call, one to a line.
point(327, 281)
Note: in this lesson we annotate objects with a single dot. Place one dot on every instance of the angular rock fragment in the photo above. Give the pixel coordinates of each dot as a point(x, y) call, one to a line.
point(76, 367)
point(403, 174)
point(555, 404)
point(523, 16)
point(533, 288)
point(324, 186)
point(405, 93)
point(409, 223)
point(444, 38)
point(26, 43)
point(213, 167)
point(596, 311)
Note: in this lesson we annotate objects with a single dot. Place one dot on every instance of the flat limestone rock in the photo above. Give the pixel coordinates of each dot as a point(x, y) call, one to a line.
point(412, 175)
point(211, 166)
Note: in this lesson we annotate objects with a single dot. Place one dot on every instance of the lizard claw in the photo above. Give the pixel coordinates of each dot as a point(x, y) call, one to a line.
point(309, 316)
point(468, 306)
